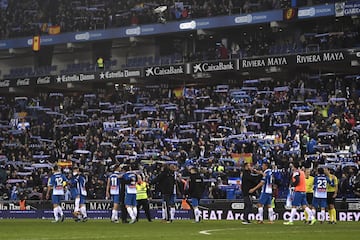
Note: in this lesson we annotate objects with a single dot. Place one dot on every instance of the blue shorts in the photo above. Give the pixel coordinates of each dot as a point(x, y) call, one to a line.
point(56, 199)
point(319, 202)
point(265, 199)
point(130, 199)
point(115, 199)
point(82, 199)
point(74, 193)
point(194, 202)
point(299, 199)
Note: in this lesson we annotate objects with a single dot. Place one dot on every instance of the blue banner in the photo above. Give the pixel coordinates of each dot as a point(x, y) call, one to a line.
point(149, 29)
point(316, 11)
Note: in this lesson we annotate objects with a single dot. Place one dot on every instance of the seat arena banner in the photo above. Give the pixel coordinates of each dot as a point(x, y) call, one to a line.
point(210, 209)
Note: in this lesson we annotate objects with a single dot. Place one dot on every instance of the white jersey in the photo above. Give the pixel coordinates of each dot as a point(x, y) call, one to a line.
point(320, 183)
point(131, 186)
point(114, 183)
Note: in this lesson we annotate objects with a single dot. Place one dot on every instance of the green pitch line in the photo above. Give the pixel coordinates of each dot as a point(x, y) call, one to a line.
point(35, 229)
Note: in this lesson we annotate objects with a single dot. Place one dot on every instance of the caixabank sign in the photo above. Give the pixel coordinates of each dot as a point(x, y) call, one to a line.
point(155, 71)
point(213, 66)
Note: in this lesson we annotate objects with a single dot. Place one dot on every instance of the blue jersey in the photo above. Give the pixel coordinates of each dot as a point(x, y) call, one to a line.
point(73, 187)
point(268, 180)
point(81, 185)
point(78, 185)
point(56, 181)
point(114, 183)
point(320, 183)
point(130, 179)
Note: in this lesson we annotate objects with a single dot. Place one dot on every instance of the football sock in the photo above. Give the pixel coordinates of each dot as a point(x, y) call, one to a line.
point(172, 213)
point(330, 215)
point(163, 212)
point(292, 214)
point(56, 214)
point(313, 212)
point(271, 214)
point(77, 205)
point(261, 213)
point(60, 211)
point(114, 215)
point(306, 216)
point(310, 213)
point(83, 211)
point(134, 211)
point(131, 212)
point(196, 214)
point(322, 215)
point(333, 214)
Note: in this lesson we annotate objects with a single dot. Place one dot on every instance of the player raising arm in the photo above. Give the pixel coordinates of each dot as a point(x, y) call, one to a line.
point(266, 193)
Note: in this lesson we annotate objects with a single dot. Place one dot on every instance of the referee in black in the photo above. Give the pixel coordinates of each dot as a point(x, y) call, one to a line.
point(196, 189)
point(167, 185)
point(249, 180)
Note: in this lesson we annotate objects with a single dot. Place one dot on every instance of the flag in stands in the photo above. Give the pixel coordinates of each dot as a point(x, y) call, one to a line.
point(36, 43)
point(178, 92)
point(54, 30)
point(242, 157)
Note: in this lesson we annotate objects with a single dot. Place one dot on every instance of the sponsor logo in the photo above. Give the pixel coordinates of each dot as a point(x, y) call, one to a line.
point(148, 29)
point(95, 35)
point(266, 62)
point(354, 206)
point(43, 80)
point(188, 25)
point(205, 23)
point(23, 82)
point(358, 54)
point(46, 40)
point(352, 11)
point(212, 67)
point(133, 31)
point(82, 36)
point(160, 71)
point(5, 83)
point(237, 206)
point(244, 19)
point(317, 58)
point(347, 8)
point(259, 17)
point(12, 206)
point(308, 12)
point(75, 78)
point(120, 74)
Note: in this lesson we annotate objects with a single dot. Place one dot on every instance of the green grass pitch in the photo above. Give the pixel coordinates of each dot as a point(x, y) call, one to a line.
point(36, 229)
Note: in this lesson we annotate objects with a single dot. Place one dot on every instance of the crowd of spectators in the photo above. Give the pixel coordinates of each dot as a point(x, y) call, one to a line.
point(214, 128)
point(287, 39)
point(30, 17)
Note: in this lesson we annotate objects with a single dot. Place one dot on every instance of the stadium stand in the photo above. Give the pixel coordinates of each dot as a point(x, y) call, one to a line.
point(206, 127)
